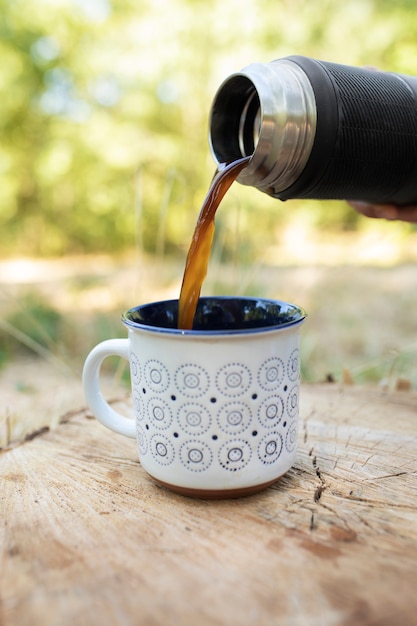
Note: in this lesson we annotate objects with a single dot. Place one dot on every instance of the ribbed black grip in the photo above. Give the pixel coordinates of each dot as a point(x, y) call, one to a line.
point(366, 139)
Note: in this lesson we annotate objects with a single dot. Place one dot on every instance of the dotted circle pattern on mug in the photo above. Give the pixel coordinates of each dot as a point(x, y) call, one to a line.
point(293, 365)
point(267, 419)
point(291, 437)
point(292, 401)
point(138, 405)
point(159, 413)
point(135, 369)
point(192, 380)
point(142, 440)
point(271, 411)
point(271, 374)
point(156, 375)
point(234, 417)
point(162, 449)
point(194, 418)
point(233, 379)
point(270, 448)
point(196, 455)
point(235, 455)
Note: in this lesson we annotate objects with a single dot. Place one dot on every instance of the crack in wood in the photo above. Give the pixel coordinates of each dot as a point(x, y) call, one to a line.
point(37, 433)
point(318, 492)
point(385, 476)
point(322, 486)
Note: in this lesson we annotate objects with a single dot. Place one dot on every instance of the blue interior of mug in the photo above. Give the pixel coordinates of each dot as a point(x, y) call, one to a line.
point(214, 314)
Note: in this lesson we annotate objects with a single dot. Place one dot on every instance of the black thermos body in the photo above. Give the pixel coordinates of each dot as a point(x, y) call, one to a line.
point(319, 130)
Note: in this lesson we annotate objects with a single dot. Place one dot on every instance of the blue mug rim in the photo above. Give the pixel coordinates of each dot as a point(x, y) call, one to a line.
point(292, 315)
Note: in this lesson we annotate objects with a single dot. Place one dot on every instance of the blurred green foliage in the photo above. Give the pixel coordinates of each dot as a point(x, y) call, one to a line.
point(104, 111)
point(34, 325)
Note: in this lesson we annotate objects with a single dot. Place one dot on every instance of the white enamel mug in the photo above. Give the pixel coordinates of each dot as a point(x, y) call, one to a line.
point(216, 407)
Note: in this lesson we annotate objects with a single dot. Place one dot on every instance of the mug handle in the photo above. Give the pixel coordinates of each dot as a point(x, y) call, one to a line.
point(92, 391)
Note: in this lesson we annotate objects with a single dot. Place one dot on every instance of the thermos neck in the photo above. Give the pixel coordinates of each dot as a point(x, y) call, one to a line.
point(268, 112)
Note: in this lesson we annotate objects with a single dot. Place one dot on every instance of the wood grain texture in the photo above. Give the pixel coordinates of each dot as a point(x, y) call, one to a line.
point(87, 538)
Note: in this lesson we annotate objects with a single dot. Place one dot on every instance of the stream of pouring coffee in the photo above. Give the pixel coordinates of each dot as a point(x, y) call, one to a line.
point(199, 251)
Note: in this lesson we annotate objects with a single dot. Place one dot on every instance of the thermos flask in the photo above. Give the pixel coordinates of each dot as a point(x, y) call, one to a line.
point(319, 130)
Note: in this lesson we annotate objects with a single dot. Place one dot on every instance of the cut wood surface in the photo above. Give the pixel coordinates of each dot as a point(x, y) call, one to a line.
point(87, 537)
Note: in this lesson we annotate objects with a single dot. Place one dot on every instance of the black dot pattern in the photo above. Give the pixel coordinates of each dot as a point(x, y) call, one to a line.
point(244, 415)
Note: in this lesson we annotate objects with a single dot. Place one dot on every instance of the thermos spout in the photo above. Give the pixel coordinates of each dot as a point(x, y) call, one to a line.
point(319, 130)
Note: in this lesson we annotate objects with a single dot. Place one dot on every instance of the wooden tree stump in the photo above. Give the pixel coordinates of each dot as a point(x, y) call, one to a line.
point(87, 537)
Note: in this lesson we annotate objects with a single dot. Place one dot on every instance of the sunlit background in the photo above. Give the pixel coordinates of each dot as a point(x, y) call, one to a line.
point(105, 105)
point(105, 162)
